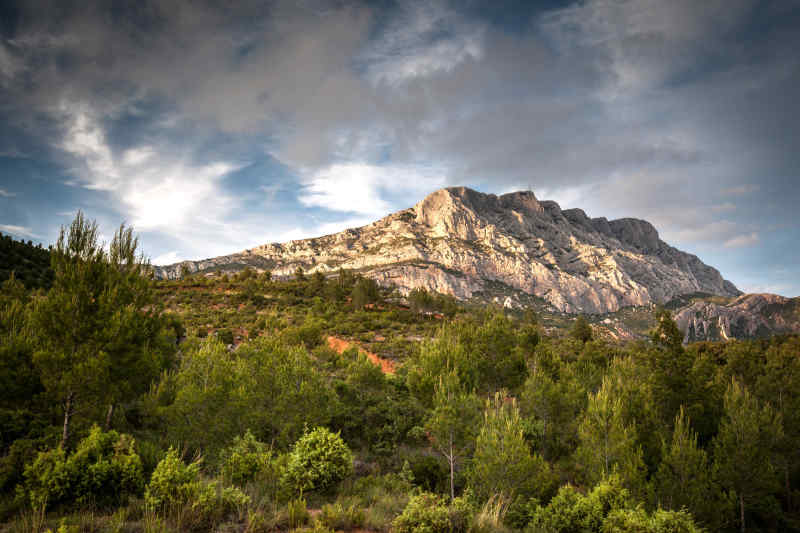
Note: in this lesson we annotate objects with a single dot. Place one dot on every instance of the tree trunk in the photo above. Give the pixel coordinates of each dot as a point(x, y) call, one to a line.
point(741, 510)
point(68, 407)
point(109, 415)
point(452, 460)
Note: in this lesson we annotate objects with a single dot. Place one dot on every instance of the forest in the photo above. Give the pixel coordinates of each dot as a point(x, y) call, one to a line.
point(235, 402)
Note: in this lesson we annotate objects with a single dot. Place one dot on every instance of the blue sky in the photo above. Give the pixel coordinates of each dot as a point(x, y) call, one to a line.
point(212, 128)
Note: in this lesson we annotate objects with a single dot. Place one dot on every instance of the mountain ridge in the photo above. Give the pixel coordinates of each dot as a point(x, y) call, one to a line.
point(460, 241)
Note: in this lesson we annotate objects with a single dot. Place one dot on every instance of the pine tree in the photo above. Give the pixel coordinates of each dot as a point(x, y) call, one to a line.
point(683, 479)
point(503, 463)
point(743, 449)
point(581, 330)
point(453, 423)
point(93, 328)
point(607, 445)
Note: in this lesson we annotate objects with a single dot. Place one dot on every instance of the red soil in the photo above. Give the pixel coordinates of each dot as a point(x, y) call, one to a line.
point(340, 345)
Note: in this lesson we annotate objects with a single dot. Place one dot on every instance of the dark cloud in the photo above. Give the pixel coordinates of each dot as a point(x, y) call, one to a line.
point(258, 120)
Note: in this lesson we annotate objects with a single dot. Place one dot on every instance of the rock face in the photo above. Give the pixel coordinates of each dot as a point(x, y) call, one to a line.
point(464, 243)
point(748, 316)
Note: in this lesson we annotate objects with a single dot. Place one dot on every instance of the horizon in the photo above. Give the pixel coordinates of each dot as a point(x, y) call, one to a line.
point(213, 130)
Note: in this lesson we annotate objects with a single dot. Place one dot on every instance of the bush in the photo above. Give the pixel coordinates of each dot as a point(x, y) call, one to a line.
point(425, 513)
point(244, 459)
point(176, 485)
point(340, 517)
point(319, 461)
point(172, 482)
point(103, 470)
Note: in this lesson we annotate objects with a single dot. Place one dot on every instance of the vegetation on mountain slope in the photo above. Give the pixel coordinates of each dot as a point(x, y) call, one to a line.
point(216, 404)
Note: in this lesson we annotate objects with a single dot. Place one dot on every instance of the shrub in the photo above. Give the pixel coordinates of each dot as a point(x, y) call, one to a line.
point(297, 512)
point(425, 513)
point(340, 517)
point(176, 485)
point(103, 470)
point(244, 459)
point(173, 481)
point(319, 460)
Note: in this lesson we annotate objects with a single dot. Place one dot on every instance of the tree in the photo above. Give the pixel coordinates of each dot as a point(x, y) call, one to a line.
point(683, 479)
point(452, 425)
point(365, 292)
point(94, 327)
point(780, 387)
point(581, 330)
point(607, 444)
point(743, 449)
point(503, 463)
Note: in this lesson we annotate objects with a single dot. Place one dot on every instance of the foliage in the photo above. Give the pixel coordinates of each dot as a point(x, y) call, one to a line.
point(244, 459)
point(103, 470)
point(503, 463)
point(425, 513)
point(173, 481)
point(319, 460)
point(607, 443)
point(453, 422)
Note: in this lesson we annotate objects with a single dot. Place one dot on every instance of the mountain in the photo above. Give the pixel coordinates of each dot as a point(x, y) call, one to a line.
point(748, 316)
point(482, 246)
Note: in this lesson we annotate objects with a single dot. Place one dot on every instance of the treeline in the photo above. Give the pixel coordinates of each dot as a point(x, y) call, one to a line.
point(108, 424)
point(28, 263)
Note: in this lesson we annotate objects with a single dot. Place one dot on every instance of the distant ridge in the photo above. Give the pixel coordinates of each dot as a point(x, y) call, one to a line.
point(512, 247)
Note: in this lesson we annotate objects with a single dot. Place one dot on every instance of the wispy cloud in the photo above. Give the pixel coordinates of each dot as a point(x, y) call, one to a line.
point(742, 240)
point(6, 194)
point(20, 231)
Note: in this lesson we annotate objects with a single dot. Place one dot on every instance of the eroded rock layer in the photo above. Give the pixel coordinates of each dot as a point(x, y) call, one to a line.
point(460, 241)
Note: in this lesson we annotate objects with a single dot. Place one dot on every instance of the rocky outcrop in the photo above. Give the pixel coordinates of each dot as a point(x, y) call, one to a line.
point(748, 316)
point(463, 242)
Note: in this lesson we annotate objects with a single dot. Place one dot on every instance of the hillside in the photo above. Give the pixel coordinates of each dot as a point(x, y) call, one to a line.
point(512, 248)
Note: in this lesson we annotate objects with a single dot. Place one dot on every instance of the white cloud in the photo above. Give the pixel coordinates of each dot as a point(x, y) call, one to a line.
point(20, 231)
point(6, 194)
point(359, 187)
point(156, 188)
point(742, 240)
point(167, 258)
point(414, 45)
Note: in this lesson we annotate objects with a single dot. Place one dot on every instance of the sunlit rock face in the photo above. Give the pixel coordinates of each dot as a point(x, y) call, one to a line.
point(748, 316)
point(459, 241)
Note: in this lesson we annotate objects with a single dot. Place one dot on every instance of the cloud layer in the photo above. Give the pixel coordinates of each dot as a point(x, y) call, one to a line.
point(213, 127)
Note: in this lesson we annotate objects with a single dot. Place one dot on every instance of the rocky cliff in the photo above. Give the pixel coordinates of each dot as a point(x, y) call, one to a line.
point(466, 243)
point(748, 316)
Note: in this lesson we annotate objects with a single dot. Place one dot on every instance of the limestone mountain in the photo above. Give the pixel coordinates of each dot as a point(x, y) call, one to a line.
point(748, 316)
point(482, 246)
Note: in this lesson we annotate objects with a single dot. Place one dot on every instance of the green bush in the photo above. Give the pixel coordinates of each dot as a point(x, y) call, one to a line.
point(244, 459)
point(172, 482)
point(425, 513)
point(176, 485)
point(319, 460)
point(103, 471)
point(340, 517)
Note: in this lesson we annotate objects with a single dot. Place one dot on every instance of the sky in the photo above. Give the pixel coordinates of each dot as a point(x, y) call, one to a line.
point(212, 127)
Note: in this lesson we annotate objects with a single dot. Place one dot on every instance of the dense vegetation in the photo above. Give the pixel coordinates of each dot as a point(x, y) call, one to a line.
point(233, 403)
point(25, 261)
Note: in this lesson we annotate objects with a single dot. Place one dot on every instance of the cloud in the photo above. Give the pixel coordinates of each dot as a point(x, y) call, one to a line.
point(21, 231)
point(5, 194)
point(167, 258)
point(359, 187)
point(741, 190)
point(156, 188)
point(742, 240)
point(422, 40)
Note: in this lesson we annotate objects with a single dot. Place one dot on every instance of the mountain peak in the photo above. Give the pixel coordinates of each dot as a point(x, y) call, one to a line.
point(513, 246)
